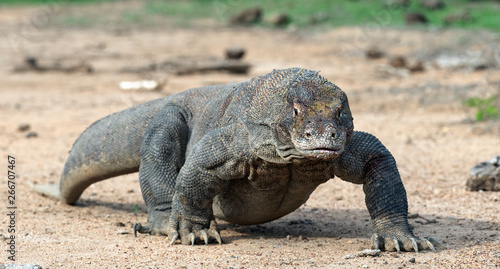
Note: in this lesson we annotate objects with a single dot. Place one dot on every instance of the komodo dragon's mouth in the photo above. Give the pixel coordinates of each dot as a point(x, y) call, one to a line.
point(321, 153)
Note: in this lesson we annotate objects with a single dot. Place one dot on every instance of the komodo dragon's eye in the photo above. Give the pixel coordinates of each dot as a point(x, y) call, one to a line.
point(296, 109)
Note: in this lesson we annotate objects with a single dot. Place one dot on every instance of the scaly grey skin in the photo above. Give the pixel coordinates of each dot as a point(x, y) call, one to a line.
point(247, 153)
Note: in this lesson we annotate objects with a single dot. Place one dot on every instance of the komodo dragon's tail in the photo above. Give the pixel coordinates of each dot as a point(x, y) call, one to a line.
point(109, 147)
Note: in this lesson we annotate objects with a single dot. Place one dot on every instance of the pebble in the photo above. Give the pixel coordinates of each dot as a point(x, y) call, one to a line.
point(369, 252)
point(31, 134)
point(235, 52)
point(23, 127)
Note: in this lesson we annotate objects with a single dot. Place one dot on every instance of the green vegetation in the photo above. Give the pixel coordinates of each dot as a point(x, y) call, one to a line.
point(47, 2)
point(467, 13)
point(485, 107)
point(136, 209)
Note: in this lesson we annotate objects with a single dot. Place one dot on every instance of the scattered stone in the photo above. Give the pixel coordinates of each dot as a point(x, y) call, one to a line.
point(141, 85)
point(485, 176)
point(31, 134)
point(432, 4)
point(278, 20)
point(412, 260)
point(248, 16)
point(373, 53)
point(398, 61)
point(369, 253)
point(413, 18)
point(123, 232)
point(318, 17)
point(120, 224)
point(235, 53)
point(23, 127)
point(350, 256)
point(459, 17)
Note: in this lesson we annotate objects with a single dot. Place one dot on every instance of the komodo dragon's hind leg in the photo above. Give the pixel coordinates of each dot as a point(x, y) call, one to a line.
point(162, 156)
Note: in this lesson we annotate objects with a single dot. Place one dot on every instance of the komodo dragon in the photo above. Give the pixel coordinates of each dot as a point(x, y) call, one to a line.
point(247, 153)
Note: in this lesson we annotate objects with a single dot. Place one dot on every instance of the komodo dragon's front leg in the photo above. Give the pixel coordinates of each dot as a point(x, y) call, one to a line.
point(366, 161)
point(179, 188)
point(211, 164)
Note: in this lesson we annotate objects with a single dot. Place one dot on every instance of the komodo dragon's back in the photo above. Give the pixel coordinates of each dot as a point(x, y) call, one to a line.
point(111, 146)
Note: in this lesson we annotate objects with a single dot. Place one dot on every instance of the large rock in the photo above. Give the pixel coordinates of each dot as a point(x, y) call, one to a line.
point(485, 176)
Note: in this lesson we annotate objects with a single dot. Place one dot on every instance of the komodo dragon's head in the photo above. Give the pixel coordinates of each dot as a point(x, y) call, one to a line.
point(308, 116)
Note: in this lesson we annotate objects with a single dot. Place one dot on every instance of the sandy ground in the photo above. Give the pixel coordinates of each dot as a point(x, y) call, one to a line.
point(418, 116)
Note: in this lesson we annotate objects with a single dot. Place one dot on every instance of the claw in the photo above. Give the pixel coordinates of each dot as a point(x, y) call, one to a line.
point(429, 241)
point(218, 238)
point(414, 244)
point(375, 241)
point(204, 236)
point(137, 227)
point(174, 236)
point(192, 237)
point(396, 244)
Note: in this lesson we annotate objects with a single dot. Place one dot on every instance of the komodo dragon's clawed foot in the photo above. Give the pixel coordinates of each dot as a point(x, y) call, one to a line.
point(406, 242)
point(191, 232)
point(157, 224)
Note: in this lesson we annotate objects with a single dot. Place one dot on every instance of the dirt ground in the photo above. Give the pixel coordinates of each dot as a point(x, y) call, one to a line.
point(417, 115)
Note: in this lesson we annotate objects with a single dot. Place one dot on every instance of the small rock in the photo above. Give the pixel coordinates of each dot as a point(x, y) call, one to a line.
point(248, 16)
point(412, 260)
point(350, 256)
point(235, 52)
point(31, 134)
point(432, 4)
point(374, 53)
point(415, 18)
point(123, 232)
point(485, 176)
point(398, 61)
point(278, 20)
point(120, 224)
point(23, 127)
point(369, 253)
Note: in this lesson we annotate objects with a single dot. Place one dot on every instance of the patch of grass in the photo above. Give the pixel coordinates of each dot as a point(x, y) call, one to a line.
point(48, 2)
point(482, 14)
point(485, 107)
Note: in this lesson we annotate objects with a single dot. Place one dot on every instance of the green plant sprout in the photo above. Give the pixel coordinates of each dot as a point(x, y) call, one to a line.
point(485, 107)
